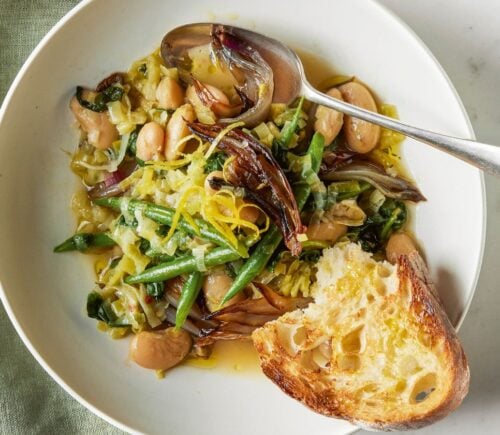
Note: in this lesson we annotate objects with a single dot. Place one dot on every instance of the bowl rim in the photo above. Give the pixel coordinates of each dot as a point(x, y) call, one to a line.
point(85, 3)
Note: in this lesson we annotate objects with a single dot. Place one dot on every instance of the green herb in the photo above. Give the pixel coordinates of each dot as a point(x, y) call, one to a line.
point(100, 309)
point(233, 268)
point(132, 145)
point(97, 106)
point(311, 256)
point(144, 245)
point(162, 230)
point(155, 289)
point(132, 223)
point(114, 262)
point(289, 129)
point(280, 153)
point(395, 213)
point(276, 257)
point(94, 302)
point(215, 162)
point(336, 192)
point(132, 142)
point(113, 93)
point(376, 230)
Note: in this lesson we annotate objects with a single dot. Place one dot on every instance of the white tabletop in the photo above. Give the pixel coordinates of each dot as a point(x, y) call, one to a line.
point(464, 35)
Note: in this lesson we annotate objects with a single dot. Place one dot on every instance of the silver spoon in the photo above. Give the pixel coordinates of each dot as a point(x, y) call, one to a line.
point(292, 82)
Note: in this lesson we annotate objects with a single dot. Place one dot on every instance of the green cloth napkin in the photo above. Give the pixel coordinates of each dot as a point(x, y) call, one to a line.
point(30, 401)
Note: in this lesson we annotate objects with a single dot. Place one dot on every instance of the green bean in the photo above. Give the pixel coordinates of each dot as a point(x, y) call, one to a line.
point(266, 247)
point(158, 256)
point(165, 215)
point(189, 293)
point(182, 265)
point(84, 241)
point(289, 129)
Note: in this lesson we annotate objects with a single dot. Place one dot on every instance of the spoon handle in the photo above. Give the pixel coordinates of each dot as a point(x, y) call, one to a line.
point(483, 156)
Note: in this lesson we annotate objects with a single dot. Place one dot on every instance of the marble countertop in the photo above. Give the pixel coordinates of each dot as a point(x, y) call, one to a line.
point(465, 38)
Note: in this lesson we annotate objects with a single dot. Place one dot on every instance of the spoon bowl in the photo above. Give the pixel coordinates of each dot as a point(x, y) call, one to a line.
point(286, 65)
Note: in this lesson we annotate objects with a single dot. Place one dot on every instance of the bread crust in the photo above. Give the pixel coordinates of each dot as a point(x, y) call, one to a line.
point(414, 282)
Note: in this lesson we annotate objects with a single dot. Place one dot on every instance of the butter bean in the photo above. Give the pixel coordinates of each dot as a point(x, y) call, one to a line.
point(361, 136)
point(160, 350)
point(150, 141)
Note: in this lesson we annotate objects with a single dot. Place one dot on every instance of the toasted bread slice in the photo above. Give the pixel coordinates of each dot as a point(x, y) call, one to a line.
point(375, 348)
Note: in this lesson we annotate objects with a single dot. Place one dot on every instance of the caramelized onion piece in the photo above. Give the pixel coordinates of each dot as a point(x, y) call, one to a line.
point(226, 331)
point(188, 325)
point(111, 185)
point(238, 321)
point(251, 306)
point(334, 160)
point(281, 303)
point(218, 335)
point(255, 169)
point(271, 304)
point(258, 75)
point(108, 188)
point(246, 318)
point(392, 187)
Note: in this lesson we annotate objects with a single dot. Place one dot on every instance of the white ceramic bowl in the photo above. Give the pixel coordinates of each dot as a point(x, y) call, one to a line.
point(44, 293)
